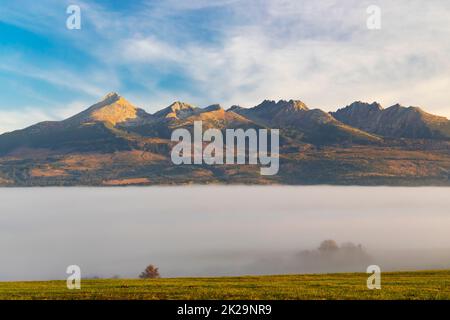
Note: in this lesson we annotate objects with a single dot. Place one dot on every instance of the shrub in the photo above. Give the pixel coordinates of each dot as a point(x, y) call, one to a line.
point(151, 272)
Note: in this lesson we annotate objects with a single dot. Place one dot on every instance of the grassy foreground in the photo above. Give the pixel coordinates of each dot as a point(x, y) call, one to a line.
point(395, 285)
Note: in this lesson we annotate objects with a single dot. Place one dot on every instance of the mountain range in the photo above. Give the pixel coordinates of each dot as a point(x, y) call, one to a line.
point(115, 143)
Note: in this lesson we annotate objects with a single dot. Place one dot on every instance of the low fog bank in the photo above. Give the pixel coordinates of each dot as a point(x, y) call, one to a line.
point(220, 230)
point(328, 257)
point(348, 258)
point(259, 263)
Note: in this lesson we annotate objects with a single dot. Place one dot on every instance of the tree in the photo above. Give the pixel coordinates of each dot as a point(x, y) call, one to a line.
point(328, 246)
point(151, 272)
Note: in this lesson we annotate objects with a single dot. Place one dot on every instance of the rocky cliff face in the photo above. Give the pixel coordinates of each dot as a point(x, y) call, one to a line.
point(394, 122)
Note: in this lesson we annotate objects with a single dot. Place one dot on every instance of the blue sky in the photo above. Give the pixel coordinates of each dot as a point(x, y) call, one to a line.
point(220, 51)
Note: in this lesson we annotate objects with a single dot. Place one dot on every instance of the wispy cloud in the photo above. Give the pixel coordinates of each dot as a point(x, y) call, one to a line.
point(13, 120)
point(326, 55)
point(240, 52)
point(92, 84)
point(18, 119)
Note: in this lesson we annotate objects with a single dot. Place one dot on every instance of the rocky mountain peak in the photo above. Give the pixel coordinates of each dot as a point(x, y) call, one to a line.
point(176, 110)
point(120, 110)
point(296, 104)
point(112, 109)
point(235, 108)
point(271, 107)
point(213, 107)
point(111, 95)
point(374, 106)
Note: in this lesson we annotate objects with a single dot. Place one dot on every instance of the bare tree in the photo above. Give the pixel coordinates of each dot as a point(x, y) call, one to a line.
point(151, 272)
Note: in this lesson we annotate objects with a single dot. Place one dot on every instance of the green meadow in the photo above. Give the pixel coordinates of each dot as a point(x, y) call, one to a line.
point(395, 285)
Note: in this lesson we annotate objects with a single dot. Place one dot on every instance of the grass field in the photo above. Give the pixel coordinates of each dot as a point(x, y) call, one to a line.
point(395, 285)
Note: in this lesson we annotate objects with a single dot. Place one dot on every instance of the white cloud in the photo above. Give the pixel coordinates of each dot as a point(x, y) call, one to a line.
point(320, 52)
point(71, 109)
point(18, 119)
point(13, 120)
point(93, 84)
point(150, 50)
